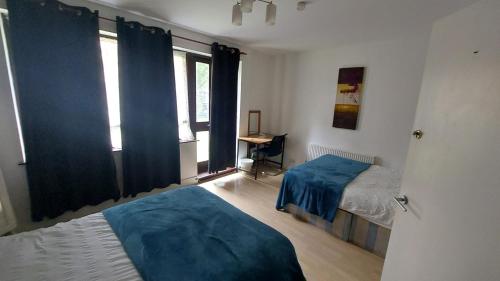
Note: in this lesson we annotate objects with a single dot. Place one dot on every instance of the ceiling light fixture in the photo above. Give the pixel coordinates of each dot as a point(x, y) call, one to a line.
point(237, 15)
point(247, 6)
point(271, 14)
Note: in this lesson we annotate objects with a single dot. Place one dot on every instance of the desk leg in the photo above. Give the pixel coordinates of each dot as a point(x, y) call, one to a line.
point(256, 161)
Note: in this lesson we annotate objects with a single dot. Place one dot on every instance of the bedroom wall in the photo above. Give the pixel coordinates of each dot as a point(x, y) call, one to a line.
point(258, 69)
point(257, 88)
point(393, 76)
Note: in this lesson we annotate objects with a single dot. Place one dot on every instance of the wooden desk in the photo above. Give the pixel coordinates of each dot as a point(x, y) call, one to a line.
point(258, 140)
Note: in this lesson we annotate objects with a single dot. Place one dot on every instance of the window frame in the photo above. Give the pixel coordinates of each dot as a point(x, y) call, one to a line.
point(111, 36)
point(191, 60)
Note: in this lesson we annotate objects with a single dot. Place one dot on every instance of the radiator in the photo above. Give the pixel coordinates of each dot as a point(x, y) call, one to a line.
point(316, 151)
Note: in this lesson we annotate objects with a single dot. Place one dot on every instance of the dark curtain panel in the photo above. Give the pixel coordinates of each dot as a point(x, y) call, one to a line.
point(62, 98)
point(223, 107)
point(150, 136)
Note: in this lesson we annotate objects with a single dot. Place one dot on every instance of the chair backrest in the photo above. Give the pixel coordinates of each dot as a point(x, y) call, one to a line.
point(276, 145)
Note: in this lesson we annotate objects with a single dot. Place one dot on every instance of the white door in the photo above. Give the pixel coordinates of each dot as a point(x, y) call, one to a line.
point(451, 231)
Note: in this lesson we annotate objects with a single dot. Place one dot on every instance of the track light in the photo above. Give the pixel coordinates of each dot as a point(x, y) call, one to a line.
point(271, 14)
point(237, 15)
point(247, 6)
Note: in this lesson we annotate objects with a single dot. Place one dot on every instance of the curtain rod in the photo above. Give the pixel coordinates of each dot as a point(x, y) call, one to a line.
point(176, 36)
point(4, 11)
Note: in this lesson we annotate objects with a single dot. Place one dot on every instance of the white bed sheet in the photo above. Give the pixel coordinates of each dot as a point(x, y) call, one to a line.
point(370, 195)
point(81, 249)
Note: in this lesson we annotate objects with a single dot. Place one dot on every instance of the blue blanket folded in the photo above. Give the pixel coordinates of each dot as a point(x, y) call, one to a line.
point(317, 186)
point(191, 234)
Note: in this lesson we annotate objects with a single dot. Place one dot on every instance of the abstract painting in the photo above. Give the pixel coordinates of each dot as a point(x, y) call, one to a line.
point(347, 102)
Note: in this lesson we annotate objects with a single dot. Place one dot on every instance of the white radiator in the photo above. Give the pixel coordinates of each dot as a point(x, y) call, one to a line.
point(315, 151)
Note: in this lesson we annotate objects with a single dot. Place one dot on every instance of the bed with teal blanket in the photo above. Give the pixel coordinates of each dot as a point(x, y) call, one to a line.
point(191, 234)
point(317, 186)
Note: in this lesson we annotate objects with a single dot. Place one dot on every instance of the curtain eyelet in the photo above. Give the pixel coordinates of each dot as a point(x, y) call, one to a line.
point(61, 8)
point(79, 13)
point(42, 4)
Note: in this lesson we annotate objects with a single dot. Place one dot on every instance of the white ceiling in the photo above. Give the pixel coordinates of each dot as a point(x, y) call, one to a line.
point(324, 23)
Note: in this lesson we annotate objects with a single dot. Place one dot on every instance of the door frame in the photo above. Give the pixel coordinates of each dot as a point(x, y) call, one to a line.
point(191, 60)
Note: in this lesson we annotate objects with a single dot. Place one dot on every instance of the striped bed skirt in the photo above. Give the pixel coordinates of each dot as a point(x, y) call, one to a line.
point(350, 228)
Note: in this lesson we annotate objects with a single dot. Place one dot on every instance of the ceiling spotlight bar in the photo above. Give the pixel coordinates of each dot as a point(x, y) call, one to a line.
point(246, 6)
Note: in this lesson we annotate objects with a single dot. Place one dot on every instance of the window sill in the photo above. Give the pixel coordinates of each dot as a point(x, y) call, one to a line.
point(116, 149)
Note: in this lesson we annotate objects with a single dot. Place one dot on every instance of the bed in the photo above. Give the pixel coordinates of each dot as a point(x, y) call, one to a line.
point(183, 234)
point(363, 209)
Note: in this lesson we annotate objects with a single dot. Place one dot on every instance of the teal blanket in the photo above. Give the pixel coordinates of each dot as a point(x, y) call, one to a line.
point(191, 234)
point(317, 186)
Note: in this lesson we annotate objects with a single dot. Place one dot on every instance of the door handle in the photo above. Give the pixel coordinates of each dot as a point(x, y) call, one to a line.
point(401, 200)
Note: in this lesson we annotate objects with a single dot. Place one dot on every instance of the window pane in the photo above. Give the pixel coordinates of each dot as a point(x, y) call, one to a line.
point(202, 92)
point(202, 146)
point(116, 137)
point(182, 95)
point(109, 49)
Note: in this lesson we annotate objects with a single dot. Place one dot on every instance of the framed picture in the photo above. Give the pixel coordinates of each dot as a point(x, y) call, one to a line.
point(348, 98)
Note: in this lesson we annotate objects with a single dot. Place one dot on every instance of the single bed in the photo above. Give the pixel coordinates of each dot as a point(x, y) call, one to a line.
point(370, 195)
point(183, 234)
point(365, 204)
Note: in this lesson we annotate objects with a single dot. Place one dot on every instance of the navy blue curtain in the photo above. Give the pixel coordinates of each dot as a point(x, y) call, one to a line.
point(223, 107)
point(150, 135)
point(62, 98)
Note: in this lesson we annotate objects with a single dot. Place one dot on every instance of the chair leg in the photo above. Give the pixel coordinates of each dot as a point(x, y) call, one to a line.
point(276, 163)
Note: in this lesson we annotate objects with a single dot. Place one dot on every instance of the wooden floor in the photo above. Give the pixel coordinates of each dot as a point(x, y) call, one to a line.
point(322, 256)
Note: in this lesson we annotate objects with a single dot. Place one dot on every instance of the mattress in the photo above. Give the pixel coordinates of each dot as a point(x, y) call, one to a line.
point(81, 249)
point(184, 234)
point(370, 195)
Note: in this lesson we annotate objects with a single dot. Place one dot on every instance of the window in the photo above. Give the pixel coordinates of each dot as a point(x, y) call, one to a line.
point(181, 86)
point(202, 92)
point(198, 77)
point(6, 48)
point(109, 50)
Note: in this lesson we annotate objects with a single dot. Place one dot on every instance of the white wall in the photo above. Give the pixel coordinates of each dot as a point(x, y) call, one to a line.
point(392, 82)
point(257, 79)
point(258, 70)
